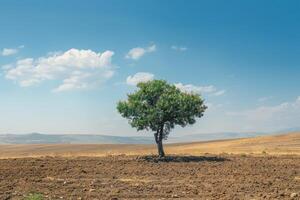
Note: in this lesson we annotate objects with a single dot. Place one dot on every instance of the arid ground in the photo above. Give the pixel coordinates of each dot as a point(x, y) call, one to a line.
point(257, 168)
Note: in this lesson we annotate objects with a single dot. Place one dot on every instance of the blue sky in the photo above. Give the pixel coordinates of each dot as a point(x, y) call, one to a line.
point(65, 65)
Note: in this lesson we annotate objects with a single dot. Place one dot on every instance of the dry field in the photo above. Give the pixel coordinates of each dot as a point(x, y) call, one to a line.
point(257, 168)
point(274, 145)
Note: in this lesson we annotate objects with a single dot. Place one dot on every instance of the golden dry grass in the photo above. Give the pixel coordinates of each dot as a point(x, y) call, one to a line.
point(275, 145)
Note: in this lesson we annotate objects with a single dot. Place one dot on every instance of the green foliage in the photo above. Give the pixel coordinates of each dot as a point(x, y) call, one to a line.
point(34, 196)
point(159, 106)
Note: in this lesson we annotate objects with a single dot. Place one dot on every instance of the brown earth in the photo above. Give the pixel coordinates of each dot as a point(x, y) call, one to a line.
point(254, 168)
point(129, 177)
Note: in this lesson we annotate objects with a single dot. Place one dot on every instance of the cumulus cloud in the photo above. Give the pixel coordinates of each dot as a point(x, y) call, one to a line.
point(11, 51)
point(189, 88)
point(139, 77)
point(284, 115)
point(78, 69)
point(138, 52)
point(178, 48)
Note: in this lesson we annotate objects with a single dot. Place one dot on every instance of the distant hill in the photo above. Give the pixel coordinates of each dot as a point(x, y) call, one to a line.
point(288, 130)
point(37, 138)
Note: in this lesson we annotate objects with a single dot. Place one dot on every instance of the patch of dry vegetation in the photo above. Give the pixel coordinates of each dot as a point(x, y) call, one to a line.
point(265, 145)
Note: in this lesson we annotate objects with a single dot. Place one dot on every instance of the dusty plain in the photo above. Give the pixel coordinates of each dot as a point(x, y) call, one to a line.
point(265, 167)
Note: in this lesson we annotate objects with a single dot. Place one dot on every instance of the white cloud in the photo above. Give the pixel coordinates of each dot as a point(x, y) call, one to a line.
point(151, 48)
point(189, 88)
point(6, 67)
point(178, 48)
point(213, 106)
point(138, 52)
point(269, 118)
point(75, 82)
point(78, 69)
point(263, 99)
point(196, 89)
point(11, 51)
point(219, 93)
point(139, 77)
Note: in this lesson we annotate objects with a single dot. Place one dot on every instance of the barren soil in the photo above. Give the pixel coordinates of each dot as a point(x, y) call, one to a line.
point(252, 168)
point(130, 177)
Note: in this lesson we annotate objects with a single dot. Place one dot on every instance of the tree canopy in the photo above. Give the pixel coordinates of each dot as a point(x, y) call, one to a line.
point(159, 106)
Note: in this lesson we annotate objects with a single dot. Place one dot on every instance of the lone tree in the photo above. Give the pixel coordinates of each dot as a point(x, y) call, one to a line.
point(159, 106)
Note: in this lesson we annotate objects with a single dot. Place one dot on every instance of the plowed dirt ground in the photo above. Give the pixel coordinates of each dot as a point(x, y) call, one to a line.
point(130, 177)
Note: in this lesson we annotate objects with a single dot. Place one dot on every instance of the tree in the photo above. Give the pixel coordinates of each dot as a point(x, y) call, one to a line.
point(159, 106)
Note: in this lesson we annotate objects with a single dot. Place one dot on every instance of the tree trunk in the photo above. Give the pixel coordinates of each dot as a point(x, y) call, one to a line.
point(158, 139)
point(160, 148)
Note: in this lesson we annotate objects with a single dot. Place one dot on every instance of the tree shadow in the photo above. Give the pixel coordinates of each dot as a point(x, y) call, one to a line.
point(183, 159)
